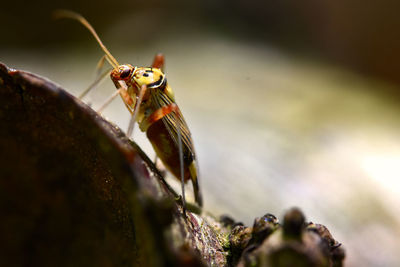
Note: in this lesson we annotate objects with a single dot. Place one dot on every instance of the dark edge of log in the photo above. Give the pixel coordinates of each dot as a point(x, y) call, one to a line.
point(74, 190)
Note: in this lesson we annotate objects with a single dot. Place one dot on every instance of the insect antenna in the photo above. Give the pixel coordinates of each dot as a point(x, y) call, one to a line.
point(75, 16)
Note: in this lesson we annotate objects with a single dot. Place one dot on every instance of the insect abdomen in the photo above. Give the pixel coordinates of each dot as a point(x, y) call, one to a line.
point(167, 150)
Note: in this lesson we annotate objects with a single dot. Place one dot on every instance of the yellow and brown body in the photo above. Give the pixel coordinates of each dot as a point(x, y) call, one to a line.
point(151, 101)
point(160, 117)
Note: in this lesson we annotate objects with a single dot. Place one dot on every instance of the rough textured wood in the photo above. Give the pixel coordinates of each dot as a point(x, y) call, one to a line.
point(75, 191)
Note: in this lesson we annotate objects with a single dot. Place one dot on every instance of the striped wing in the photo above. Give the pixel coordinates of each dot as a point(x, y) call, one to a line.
point(172, 121)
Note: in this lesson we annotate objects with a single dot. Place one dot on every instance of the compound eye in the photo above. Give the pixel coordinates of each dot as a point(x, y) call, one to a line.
point(124, 72)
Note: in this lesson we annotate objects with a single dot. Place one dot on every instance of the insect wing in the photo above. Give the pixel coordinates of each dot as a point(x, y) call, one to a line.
point(171, 122)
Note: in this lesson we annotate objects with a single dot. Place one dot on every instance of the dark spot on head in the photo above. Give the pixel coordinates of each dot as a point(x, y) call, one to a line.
point(145, 74)
point(125, 73)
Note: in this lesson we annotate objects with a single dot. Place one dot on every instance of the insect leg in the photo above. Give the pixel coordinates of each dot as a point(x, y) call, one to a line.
point(99, 77)
point(123, 91)
point(193, 169)
point(158, 114)
point(100, 65)
point(98, 80)
point(159, 165)
point(136, 110)
point(158, 61)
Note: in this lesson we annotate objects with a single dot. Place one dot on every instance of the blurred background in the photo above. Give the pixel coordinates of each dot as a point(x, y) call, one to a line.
point(290, 103)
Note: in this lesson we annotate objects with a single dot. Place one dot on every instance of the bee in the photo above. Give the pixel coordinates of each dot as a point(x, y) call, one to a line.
point(151, 102)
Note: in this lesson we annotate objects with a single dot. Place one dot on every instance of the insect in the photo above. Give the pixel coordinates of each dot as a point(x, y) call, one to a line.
point(149, 98)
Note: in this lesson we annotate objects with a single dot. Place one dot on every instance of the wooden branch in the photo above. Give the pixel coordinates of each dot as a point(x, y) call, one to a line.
point(74, 190)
